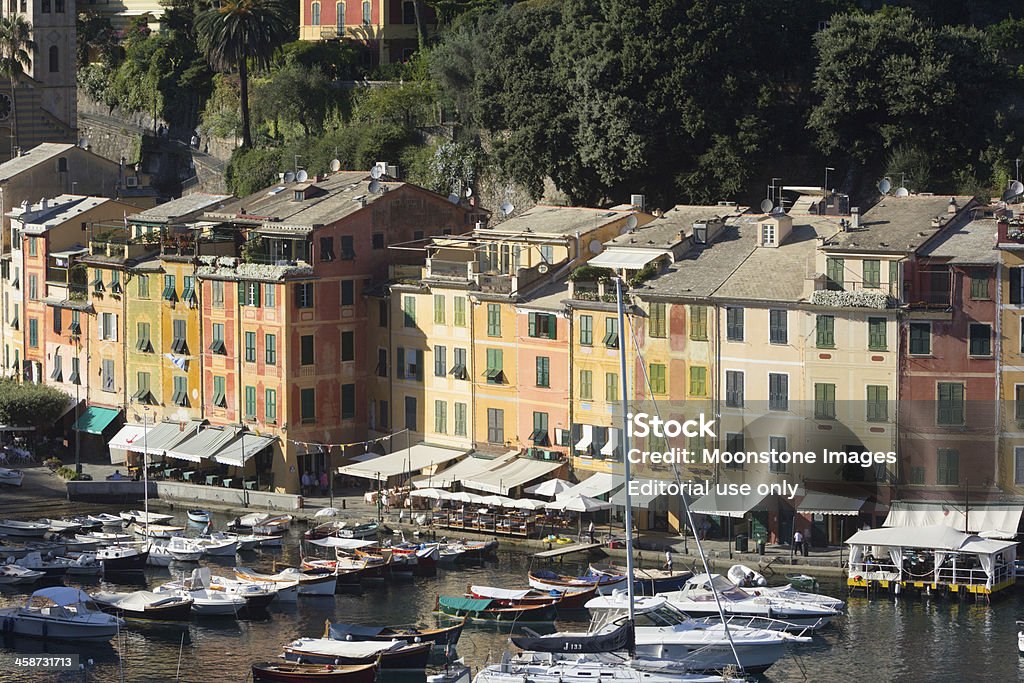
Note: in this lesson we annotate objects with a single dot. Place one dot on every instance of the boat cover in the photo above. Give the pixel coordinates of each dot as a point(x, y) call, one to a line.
point(499, 593)
point(620, 639)
point(62, 595)
point(356, 649)
point(340, 631)
point(345, 543)
point(137, 601)
point(467, 604)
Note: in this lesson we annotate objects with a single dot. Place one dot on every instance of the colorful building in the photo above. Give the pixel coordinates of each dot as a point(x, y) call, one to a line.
point(385, 30)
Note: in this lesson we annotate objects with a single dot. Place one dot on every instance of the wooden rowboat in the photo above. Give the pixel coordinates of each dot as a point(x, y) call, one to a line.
point(562, 600)
point(491, 610)
point(291, 672)
point(438, 637)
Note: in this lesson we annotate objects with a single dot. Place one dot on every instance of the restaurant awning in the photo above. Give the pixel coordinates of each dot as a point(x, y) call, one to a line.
point(165, 436)
point(728, 506)
point(244, 446)
point(594, 486)
point(996, 521)
point(468, 468)
point(95, 419)
point(618, 258)
point(204, 444)
point(645, 501)
point(508, 477)
point(405, 460)
point(819, 503)
point(124, 441)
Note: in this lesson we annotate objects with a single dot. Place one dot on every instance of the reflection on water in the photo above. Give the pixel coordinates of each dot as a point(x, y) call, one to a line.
point(913, 639)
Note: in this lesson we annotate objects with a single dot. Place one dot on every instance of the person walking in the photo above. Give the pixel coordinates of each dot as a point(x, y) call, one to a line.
point(305, 483)
point(798, 542)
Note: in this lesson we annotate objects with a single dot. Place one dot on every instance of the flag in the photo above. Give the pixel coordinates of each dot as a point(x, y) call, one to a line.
point(179, 363)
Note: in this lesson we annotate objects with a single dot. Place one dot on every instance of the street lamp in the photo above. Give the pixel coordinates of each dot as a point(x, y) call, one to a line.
point(78, 383)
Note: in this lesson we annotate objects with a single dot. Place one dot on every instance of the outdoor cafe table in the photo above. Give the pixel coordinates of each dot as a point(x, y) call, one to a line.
point(212, 479)
point(226, 483)
point(187, 476)
point(170, 472)
point(250, 484)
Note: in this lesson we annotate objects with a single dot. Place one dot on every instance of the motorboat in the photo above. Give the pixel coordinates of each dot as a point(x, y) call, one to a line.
point(212, 603)
point(283, 592)
point(454, 672)
point(159, 556)
point(123, 558)
point(62, 526)
point(105, 538)
point(216, 547)
point(157, 530)
point(244, 541)
point(146, 605)
point(200, 585)
point(545, 580)
point(84, 565)
point(60, 613)
point(142, 517)
point(16, 575)
point(9, 477)
point(550, 668)
point(199, 516)
point(342, 529)
point(697, 598)
point(11, 527)
point(263, 523)
point(309, 582)
point(441, 637)
point(645, 581)
point(181, 549)
point(427, 556)
point(393, 655)
point(744, 577)
point(562, 600)
point(106, 519)
point(292, 672)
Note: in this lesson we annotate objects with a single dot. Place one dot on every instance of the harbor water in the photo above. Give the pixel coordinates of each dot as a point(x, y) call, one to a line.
point(879, 639)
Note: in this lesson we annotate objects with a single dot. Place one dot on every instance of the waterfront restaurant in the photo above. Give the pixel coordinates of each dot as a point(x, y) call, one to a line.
point(935, 558)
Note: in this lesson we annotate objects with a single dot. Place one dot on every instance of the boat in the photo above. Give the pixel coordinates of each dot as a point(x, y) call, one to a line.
point(201, 587)
point(16, 575)
point(106, 519)
point(83, 565)
point(144, 517)
point(550, 668)
point(562, 600)
point(546, 580)
point(199, 516)
point(157, 530)
point(1020, 637)
point(697, 598)
point(62, 526)
point(159, 556)
point(181, 549)
point(146, 605)
point(427, 556)
point(283, 592)
point(493, 610)
point(393, 655)
point(59, 613)
point(123, 558)
point(217, 547)
point(353, 570)
point(454, 672)
point(263, 523)
point(11, 527)
point(9, 477)
point(341, 529)
point(645, 581)
point(309, 582)
point(291, 672)
point(105, 538)
point(212, 603)
point(744, 577)
point(244, 541)
point(438, 637)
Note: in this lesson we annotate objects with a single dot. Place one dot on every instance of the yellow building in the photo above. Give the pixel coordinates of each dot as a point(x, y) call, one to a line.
point(1010, 242)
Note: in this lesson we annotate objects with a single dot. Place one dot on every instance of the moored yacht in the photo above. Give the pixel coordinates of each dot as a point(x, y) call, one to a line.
point(59, 613)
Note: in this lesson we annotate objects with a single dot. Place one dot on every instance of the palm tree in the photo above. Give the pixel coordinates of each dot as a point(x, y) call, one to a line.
point(235, 32)
point(16, 49)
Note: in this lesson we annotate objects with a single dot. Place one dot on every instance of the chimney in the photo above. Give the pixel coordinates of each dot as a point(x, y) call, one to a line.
point(854, 217)
point(44, 203)
point(638, 201)
point(952, 208)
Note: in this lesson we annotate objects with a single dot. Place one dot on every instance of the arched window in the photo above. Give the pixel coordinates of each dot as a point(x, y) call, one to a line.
point(54, 59)
point(316, 14)
point(366, 13)
point(340, 13)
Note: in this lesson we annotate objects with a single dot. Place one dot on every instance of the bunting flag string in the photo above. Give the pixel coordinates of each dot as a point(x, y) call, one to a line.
point(327, 447)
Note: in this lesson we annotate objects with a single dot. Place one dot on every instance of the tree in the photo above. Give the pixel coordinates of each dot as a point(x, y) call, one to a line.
point(236, 32)
point(16, 48)
point(30, 405)
point(296, 94)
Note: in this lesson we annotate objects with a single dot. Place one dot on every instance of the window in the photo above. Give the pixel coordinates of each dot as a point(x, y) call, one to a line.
point(920, 339)
point(188, 289)
point(495, 425)
point(33, 247)
point(170, 292)
point(142, 340)
point(539, 435)
point(439, 309)
point(408, 12)
point(611, 386)
point(96, 283)
point(143, 287)
point(587, 385)
point(699, 323)
point(306, 356)
point(180, 396)
point(460, 419)
point(440, 361)
point(382, 362)
point(316, 14)
point(107, 374)
point(947, 470)
point(826, 332)
point(339, 16)
point(377, 240)
point(656, 324)
point(250, 347)
point(382, 312)
point(877, 336)
point(543, 325)
point(778, 391)
point(248, 294)
point(269, 295)
point(58, 321)
point(250, 403)
point(45, 6)
point(270, 344)
point(547, 253)
point(586, 330)
point(58, 7)
point(778, 327)
point(33, 287)
point(304, 295)
point(348, 346)
point(348, 401)
point(611, 333)
point(178, 343)
point(410, 413)
point(409, 311)
point(951, 404)
point(307, 403)
point(777, 444)
point(413, 364)
point(76, 322)
point(74, 378)
point(733, 324)
point(878, 403)
point(734, 444)
point(768, 234)
point(834, 269)
point(217, 293)
point(220, 398)
point(1018, 465)
point(493, 320)
point(495, 367)
point(698, 380)
point(825, 401)
point(441, 417)
point(348, 292)
point(979, 284)
point(327, 248)
point(659, 382)
point(366, 13)
point(872, 273)
point(459, 369)
point(108, 326)
point(270, 405)
point(696, 445)
point(734, 388)
point(142, 388)
point(14, 318)
point(217, 344)
point(348, 249)
point(543, 371)
point(981, 340)
point(56, 375)
point(894, 278)
point(460, 311)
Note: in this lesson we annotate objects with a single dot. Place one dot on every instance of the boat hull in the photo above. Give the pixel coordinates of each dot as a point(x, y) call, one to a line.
point(412, 658)
point(439, 637)
point(24, 531)
point(135, 562)
point(713, 657)
point(53, 629)
point(288, 672)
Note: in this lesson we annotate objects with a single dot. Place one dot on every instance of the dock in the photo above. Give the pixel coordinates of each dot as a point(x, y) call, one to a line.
point(567, 549)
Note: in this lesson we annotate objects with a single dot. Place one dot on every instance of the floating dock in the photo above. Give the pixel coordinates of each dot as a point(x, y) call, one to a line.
point(567, 549)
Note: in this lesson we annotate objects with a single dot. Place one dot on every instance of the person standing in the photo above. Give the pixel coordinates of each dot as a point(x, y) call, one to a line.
point(324, 482)
point(798, 542)
point(590, 531)
point(305, 483)
point(668, 560)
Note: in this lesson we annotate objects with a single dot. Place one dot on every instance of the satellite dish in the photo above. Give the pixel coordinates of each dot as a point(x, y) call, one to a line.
point(1015, 190)
point(884, 185)
point(507, 208)
point(335, 165)
point(302, 176)
point(289, 176)
point(453, 198)
point(595, 246)
point(778, 211)
point(542, 268)
point(374, 186)
point(468, 192)
point(767, 205)
point(902, 192)
point(84, 143)
point(375, 172)
point(631, 221)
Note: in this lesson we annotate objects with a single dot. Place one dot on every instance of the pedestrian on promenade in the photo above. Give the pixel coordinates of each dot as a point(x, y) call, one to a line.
point(590, 531)
point(324, 483)
point(798, 541)
point(668, 561)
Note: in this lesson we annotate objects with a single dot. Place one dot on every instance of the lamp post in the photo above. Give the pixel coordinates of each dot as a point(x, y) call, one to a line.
point(78, 456)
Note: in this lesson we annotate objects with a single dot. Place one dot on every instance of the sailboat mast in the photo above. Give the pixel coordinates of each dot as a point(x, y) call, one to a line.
point(624, 384)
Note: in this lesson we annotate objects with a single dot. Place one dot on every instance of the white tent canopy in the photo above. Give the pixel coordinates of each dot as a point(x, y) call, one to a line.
point(434, 494)
point(514, 474)
point(595, 485)
point(996, 521)
point(463, 469)
point(162, 438)
point(728, 506)
point(405, 460)
point(579, 504)
point(641, 501)
point(527, 504)
point(202, 444)
point(551, 487)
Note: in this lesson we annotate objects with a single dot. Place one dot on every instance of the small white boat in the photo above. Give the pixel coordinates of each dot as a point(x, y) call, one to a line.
point(199, 516)
point(62, 526)
point(104, 538)
point(11, 527)
point(264, 523)
point(205, 601)
point(105, 519)
point(245, 542)
point(142, 517)
point(256, 596)
point(11, 477)
point(157, 530)
point(146, 605)
point(85, 564)
point(217, 547)
point(313, 583)
point(159, 556)
point(181, 549)
point(285, 591)
point(15, 575)
point(1020, 637)
point(60, 613)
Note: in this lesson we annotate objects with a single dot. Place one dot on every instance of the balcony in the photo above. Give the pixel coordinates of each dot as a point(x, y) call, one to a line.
point(854, 294)
point(450, 270)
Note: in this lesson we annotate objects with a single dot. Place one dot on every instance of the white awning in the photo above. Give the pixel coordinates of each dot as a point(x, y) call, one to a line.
point(405, 460)
point(202, 445)
point(935, 537)
point(618, 258)
point(343, 543)
point(995, 521)
point(586, 439)
point(163, 437)
point(818, 503)
point(468, 468)
point(612, 444)
point(514, 474)
point(728, 506)
point(130, 438)
point(653, 502)
point(594, 486)
point(244, 446)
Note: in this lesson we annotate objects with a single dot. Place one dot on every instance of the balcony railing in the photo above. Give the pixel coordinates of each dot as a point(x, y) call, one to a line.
point(496, 284)
point(454, 270)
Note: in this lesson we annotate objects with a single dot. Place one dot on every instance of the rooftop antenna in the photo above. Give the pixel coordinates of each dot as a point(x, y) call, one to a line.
point(84, 143)
point(376, 172)
point(884, 185)
point(631, 221)
point(468, 192)
point(776, 191)
point(1015, 189)
point(902, 192)
point(335, 165)
point(302, 176)
point(295, 167)
point(1017, 162)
